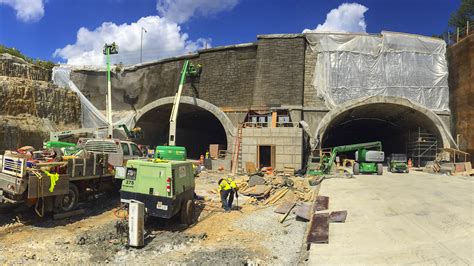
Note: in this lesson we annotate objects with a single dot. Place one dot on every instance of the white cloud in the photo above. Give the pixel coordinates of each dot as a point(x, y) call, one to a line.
point(26, 10)
point(181, 11)
point(348, 17)
point(162, 39)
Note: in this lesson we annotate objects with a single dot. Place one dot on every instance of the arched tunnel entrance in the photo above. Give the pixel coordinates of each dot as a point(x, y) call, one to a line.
point(401, 129)
point(196, 128)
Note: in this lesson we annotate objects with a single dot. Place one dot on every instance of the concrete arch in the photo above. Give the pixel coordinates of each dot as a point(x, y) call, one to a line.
point(347, 106)
point(226, 123)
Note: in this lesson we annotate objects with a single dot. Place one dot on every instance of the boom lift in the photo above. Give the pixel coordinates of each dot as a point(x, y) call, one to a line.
point(368, 159)
point(189, 70)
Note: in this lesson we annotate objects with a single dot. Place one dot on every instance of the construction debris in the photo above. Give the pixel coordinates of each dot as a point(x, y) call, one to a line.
point(272, 188)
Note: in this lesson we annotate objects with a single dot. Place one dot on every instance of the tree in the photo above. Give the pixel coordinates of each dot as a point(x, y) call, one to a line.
point(462, 15)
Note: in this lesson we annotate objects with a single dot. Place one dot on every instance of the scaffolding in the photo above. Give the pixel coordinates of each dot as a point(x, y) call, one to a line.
point(422, 147)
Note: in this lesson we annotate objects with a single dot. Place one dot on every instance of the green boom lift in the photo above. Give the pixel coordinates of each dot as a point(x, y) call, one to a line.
point(369, 158)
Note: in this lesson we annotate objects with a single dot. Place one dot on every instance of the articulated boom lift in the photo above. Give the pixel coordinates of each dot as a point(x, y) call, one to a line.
point(189, 70)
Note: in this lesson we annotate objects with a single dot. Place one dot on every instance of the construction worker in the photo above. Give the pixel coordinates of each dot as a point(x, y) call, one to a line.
point(227, 188)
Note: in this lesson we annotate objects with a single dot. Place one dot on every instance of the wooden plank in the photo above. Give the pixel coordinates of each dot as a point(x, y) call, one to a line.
point(214, 151)
point(274, 119)
point(250, 167)
point(287, 213)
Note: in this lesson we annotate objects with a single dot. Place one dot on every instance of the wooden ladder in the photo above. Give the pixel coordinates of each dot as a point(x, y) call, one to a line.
point(237, 152)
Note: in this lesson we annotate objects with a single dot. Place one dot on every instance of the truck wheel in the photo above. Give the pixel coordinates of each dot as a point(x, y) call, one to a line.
point(379, 169)
point(356, 169)
point(67, 202)
point(187, 212)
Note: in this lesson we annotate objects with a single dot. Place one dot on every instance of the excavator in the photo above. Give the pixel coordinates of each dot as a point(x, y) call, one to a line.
point(368, 156)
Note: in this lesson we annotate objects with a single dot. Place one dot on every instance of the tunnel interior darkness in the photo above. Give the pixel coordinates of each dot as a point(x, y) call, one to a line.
point(394, 125)
point(196, 128)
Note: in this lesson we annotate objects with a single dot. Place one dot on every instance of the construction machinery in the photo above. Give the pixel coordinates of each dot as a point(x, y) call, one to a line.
point(397, 163)
point(368, 159)
point(165, 187)
point(53, 182)
point(189, 71)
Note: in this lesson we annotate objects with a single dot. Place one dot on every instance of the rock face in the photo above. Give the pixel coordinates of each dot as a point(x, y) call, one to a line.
point(30, 107)
point(12, 66)
point(38, 98)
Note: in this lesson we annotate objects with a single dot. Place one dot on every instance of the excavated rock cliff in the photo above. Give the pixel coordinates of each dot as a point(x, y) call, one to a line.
point(30, 107)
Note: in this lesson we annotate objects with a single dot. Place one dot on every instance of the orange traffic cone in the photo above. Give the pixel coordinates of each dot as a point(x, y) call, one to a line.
point(410, 163)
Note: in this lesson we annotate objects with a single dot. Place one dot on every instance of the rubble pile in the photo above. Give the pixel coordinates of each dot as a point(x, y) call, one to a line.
point(271, 188)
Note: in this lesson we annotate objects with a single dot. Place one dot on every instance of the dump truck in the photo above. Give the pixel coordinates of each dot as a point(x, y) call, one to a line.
point(397, 163)
point(52, 182)
point(368, 156)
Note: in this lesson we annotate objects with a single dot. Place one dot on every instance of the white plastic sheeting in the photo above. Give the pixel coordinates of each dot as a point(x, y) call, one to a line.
point(352, 66)
point(91, 117)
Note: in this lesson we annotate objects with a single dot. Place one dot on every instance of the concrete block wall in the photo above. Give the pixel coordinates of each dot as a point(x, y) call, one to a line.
point(280, 68)
point(288, 144)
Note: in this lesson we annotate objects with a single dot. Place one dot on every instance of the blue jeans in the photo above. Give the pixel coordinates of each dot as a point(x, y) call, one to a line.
point(227, 197)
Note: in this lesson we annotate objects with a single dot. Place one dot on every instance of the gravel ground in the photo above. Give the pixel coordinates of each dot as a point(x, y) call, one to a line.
point(251, 235)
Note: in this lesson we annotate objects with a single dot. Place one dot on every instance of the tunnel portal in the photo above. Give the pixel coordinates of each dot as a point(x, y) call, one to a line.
point(196, 128)
point(401, 129)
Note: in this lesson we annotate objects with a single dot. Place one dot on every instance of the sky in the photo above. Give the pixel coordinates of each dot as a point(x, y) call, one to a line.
point(75, 31)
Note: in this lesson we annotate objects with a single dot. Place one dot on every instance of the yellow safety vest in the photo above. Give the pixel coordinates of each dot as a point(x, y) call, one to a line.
point(227, 184)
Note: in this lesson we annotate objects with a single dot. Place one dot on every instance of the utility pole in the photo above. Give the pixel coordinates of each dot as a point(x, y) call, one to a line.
point(108, 50)
point(141, 44)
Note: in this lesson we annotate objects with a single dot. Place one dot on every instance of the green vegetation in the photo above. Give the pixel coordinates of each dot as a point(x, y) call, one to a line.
point(465, 12)
point(17, 53)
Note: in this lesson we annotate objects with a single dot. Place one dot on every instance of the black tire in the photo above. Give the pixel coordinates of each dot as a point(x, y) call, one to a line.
point(67, 202)
point(379, 169)
point(186, 215)
point(356, 169)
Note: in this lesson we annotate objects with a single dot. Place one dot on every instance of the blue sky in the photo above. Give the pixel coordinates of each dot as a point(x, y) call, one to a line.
point(49, 29)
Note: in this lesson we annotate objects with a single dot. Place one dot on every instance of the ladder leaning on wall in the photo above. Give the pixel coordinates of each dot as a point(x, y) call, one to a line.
point(237, 152)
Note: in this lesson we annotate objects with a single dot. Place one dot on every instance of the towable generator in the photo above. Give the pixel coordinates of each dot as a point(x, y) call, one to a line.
point(166, 188)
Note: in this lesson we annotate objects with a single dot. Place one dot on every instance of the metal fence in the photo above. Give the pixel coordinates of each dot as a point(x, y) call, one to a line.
point(460, 33)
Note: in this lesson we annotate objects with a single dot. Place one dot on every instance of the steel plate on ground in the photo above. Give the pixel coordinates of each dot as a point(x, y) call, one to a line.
point(319, 229)
point(304, 211)
point(284, 207)
point(338, 217)
point(321, 203)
